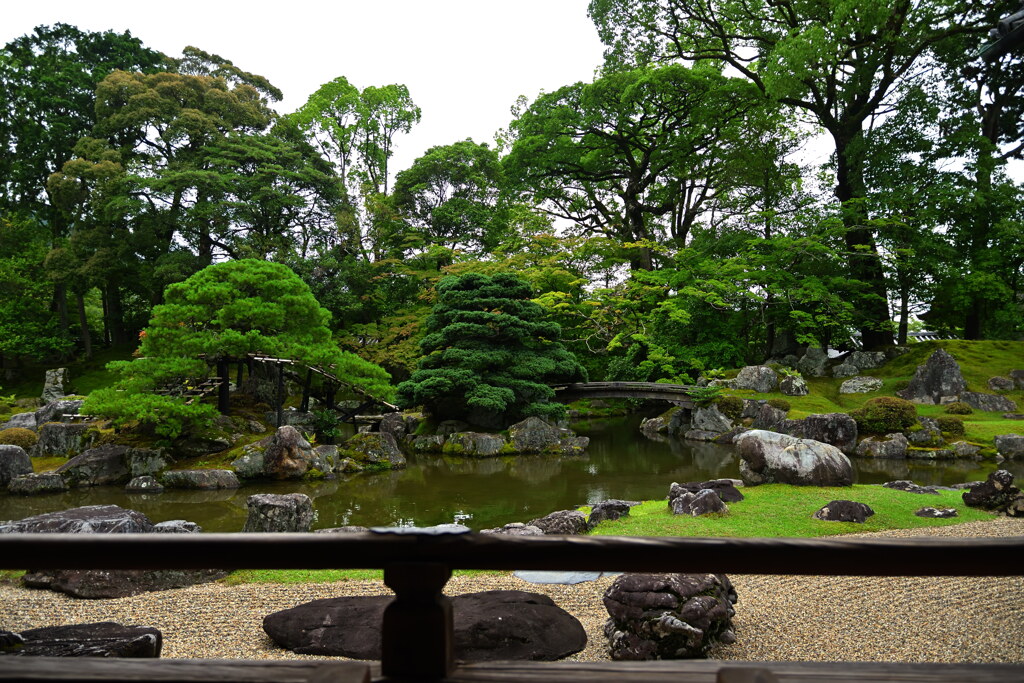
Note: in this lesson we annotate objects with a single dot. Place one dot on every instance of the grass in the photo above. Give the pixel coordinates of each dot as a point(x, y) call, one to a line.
point(978, 360)
point(780, 510)
point(85, 375)
point(11, 577)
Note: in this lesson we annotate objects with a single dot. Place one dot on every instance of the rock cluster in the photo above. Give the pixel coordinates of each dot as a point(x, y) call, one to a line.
point(997, 494)
point(668, 616)
point(939, 381)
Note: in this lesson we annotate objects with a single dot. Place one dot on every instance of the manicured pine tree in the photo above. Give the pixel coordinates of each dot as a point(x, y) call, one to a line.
point(489, 355)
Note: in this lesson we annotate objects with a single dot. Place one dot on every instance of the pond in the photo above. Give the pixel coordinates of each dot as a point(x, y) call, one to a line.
point(489, 492)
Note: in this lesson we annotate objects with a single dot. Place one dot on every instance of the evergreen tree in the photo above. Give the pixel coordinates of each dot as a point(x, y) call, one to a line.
point(489, 354)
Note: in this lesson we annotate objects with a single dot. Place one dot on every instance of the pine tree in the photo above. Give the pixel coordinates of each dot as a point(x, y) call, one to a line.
point(489, 355)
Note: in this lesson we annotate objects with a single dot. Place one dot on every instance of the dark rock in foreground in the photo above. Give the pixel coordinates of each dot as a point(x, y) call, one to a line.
point(101, 583)
point(668, 616)
point(104, 639)
point(844, 511)
point(997, 494)
point(492, 625)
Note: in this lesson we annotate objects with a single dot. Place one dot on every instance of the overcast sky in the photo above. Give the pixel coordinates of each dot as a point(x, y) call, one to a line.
point(464, 61)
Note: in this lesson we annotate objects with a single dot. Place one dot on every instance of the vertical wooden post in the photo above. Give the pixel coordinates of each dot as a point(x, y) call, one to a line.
point(417, 632)
point(280, 394)
point(223, 391)
point(238, 377)
point(332, 390)
point(305, 392)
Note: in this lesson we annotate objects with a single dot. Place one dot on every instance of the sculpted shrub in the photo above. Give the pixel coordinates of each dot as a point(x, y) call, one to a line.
point(779, 404)
point(959, 408)
point(19, 436)
point(730, 406)
point(885, 414)
point(953, 426)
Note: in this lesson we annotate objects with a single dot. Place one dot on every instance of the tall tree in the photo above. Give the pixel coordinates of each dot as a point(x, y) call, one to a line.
point(637, 155)
point(839, 61)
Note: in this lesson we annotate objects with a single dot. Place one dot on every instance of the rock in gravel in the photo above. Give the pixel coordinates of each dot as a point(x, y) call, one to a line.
point(492, 625)
point(104, 639)
point(284, 513)
point(668, 616)
point(844, 511)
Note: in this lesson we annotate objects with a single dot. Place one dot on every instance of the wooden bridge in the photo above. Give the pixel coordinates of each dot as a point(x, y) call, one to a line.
point(678, 394)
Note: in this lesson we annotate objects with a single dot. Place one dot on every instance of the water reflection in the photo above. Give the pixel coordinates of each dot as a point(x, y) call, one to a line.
point(488, 492)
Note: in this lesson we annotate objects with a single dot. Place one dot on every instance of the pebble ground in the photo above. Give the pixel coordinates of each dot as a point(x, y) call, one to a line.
point(777, 618)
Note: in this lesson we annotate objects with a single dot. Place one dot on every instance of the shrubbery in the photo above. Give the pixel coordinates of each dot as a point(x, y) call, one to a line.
point(779, 404)
point(885, 414)
point(959, 408)
point(730, 406)
point(953, 426)
point(19, 436)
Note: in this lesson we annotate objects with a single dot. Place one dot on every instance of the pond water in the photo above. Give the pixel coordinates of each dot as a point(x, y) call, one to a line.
point(484, 493)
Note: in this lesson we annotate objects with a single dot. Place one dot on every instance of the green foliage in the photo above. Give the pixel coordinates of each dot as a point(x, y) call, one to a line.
point(19, 436)
point(959, 408)
point(326, 424)
point(705, 395)
point(489, 354)
point(885, 414)
point(953, 426)
point(780, 404)
point(226, 310)
point(730, 406)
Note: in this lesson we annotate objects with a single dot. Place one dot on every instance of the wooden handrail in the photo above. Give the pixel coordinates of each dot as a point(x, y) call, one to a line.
point(830, 556)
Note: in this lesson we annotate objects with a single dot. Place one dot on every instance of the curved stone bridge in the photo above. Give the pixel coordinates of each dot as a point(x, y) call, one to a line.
point(677, 394)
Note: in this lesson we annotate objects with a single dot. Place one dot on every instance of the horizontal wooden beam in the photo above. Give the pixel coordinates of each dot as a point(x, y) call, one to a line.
point(924, 556)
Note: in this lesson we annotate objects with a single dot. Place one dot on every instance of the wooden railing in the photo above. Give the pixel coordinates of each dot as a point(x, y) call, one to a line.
point(417, 628)
point(678, 394)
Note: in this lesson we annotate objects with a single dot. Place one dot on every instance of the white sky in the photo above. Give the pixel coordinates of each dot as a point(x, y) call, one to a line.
point(464, 61)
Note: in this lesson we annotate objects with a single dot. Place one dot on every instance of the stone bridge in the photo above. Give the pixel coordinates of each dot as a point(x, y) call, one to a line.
point(677, 394)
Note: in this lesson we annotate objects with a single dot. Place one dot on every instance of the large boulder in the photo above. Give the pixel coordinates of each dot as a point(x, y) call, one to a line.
point(1010, 445)
point(63, 439)
point(285, 513)
point(374, 451)
point(112, 464)
point(565, 522)
point(997, 494)
point(400, 425)
point(928, 435)
point(938, 381)
point(835, 429)
point(1001, 383)
point(1018, 378)
point(493, 625)
point(14, 462)
point(710, 419)
point(814, 362)
point(21, 421)
point(668, 616)
point(759, 378)
point(474, 444)
point(793, 385)
point(990, 403)
point(104, 639)
point(608, 510)
point(534, 435)
point(671, 421)
point(202, 480)
point(888, 446)
point(860, 385)
point(37, 484)
point(702, 502)
point(844, 511)
point(91, 519)
point(102, 583)
point(769, 457)
point(55, 385)
point(867, 360)
point(768, 417)
point(845, 370)
point(285, 454)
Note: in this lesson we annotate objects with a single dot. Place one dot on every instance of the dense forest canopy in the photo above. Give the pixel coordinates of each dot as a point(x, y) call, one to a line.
point(661, 214)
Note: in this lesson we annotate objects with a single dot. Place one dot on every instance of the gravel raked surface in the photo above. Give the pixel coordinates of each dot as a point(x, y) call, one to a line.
point(777, 617)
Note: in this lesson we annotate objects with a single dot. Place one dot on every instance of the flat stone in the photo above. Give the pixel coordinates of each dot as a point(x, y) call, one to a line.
point(104, 639)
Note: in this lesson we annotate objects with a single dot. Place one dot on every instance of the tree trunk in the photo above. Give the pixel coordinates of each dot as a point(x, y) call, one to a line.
point(83, 326)
point(115, 316)
point(862, 251)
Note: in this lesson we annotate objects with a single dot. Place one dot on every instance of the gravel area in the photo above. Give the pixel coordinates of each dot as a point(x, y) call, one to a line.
point(777, 617)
